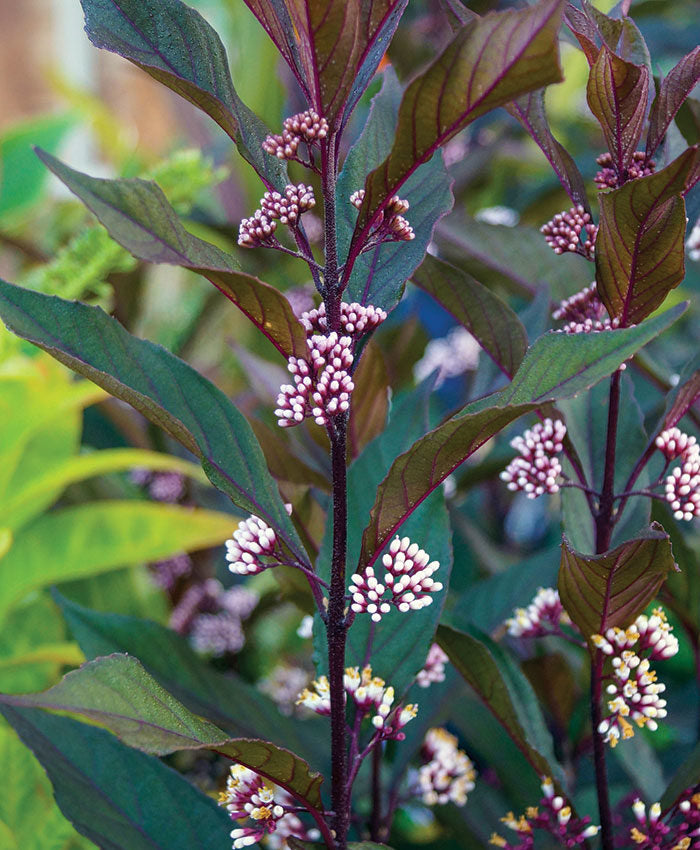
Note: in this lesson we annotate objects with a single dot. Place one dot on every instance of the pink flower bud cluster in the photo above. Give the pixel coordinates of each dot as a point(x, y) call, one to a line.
point(390, 226)
point(322, 385)
point(584, 312)
point(434, 669)
point(253, 547)
point(563, 233)
point(634, 690)
point(355, 319)
point(307, 127)
point(407, 582)
point(448, 773)
point(536, 470)
point(683, 484)
point(545, 615)
point(553, 816)
point(249, 796)
point(679, 830)
point(371, 696)
point(286, 208)
point(607, 177)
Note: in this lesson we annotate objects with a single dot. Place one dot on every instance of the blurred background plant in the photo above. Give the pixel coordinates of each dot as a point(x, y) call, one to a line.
point(76, 465)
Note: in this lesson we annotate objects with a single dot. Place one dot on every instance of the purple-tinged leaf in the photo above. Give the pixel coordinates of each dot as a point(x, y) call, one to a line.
point(640, 251)
point(683, 396)
point(593, 29)
point(602, 591)
point(556, 366)
point(370, 404)
point(282, 463)
point(176, 46)
point(138, 216)
point(117, 796)
point(116, 693)
point(673, 91)
point(530, 112)
point(489, 319)
point(162, 387)
point(506, 692)
point(633, 47)
point(487, 64)
point(457, 13)
point(378, 277)
point(617, 95)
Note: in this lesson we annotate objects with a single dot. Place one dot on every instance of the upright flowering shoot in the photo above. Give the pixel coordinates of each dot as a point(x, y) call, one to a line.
point(634, 690)
point(407, 583)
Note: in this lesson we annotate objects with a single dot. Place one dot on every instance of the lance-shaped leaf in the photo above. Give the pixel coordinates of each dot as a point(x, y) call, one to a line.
point(162, 387)
point(603, 591)
point(556, 366)
point(592, 29)
point(175, 45)
point(488, 63)
point(640, 252)
point(138, 216)
point(674, 89)
point(505, 691)
point(683, 396)
point(530, 111)
point(117, 796)
point(370, 401)
point(617, 95)
point(117, 693)
point(489, 319)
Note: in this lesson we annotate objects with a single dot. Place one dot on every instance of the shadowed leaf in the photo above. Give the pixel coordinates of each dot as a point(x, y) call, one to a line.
point(687, 776)
point(370, 402)
point(176, 46)
point(159, 385)
point(495, 326)
point(617, 95)
point(378, 276)
point(139, 217)
point(602, 591)
point(118, 694)
point(117, 796)
point(674, 89)
point(683, 396)
point(296, 844)
point(505, 691)
point(556, 366)
point(488, 63)
point(640, 245)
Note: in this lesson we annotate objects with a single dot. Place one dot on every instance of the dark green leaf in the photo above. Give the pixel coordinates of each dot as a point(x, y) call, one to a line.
point(506, 692)
point(138, 216)
point(617, 95)
point(119, 798)
point(116, 692)
point(227, 700)
point(378, 276)
point(495, 326)
point(162, 387)
point(175, 45)
point(682, 396)
point(530, 111)
point(556, 366)
point(673, 91)
point(640, 244)
point(602, 591)
point(488, 63)
point(641, 764)
point(687, 776)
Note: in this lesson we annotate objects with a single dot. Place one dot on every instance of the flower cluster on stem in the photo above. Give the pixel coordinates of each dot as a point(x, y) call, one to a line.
point(407, 583)
point(253, 547)
point(633, 689)
point(678, 830)
point(584, 312)
point(390, 225)
point(554, 816)
point(571, 231)
point(434, 669)
point(608, 178)
point(284, 208)
point(447, 775)
point(682, 486)
point(545, 615)
point(537, 469)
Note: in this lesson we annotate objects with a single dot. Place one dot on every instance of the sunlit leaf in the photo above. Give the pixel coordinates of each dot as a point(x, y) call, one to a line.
point(86, 540)
point(506, 693)
point(602, 591)
point(162, 387)
point(674, 89)
point(617, 95)
point(640, 245)
point(138, 216)
point(490, 320)
point(117, 693)
point(488, 63)
point(176, 46)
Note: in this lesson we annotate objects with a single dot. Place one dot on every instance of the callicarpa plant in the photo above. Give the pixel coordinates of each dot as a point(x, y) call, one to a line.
point(379, 576)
